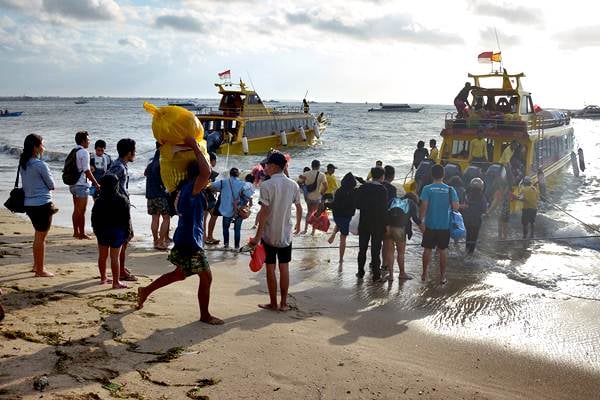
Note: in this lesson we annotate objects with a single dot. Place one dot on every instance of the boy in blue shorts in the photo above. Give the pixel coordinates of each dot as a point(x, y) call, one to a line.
point(188, 251)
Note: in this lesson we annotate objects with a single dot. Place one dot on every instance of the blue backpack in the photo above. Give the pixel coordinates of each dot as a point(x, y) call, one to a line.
point(399, 211)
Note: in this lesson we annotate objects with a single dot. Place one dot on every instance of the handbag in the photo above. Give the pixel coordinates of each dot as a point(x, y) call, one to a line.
point(457, 224)
point(239, 211)
point(16, 199)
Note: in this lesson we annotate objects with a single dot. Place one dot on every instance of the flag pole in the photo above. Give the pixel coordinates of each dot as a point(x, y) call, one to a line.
point(499, 49)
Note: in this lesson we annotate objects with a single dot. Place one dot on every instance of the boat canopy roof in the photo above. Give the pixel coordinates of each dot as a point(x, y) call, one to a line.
point(509, 81)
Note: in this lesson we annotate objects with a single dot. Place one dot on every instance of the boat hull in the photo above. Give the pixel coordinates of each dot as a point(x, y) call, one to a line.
point(264, 144)
point(406, 110)
point(12, 114)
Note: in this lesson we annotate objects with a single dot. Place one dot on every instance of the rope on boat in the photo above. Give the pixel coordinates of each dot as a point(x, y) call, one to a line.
point(588, 226)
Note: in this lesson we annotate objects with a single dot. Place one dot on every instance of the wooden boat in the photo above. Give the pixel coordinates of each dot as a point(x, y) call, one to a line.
point(544, 139)
point(246, 126)
point(395, 108)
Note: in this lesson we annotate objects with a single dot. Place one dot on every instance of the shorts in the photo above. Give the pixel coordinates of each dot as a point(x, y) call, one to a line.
point(343, 224)
point(436, 238)
point(191, 264)
point(79, 191)
point(528, 216)
point(274, 254)
point(397, 234)
point(159, 205)
point(41, 216)
point(114, 238)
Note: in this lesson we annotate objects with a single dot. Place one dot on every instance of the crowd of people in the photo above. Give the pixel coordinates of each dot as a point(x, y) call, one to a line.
point(382, 214)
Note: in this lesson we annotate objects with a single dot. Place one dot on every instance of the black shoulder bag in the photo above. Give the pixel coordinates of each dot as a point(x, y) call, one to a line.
point(16, 200)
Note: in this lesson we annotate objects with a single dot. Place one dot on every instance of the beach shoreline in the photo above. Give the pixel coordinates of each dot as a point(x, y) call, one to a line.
point(90, 340)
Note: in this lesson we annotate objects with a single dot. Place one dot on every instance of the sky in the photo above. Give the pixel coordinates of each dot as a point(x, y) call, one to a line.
point(338, 50)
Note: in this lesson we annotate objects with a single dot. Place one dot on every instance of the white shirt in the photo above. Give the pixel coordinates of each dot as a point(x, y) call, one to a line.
point(310, 179)
point(82, 159)
point(278, 193)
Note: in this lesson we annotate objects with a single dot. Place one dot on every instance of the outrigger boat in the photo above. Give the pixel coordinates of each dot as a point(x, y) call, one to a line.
point(590, 112)
point(246, 126)
point(544, 140)
point(11, 114)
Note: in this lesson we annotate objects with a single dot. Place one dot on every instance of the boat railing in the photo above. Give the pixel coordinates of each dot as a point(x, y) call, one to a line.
point(539, 121)
point(263, 112)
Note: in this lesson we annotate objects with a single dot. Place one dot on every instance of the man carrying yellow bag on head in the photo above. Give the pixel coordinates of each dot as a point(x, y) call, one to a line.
point(171, 125)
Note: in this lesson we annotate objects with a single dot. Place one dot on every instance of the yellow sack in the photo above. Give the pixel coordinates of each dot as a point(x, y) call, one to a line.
point(170, 126)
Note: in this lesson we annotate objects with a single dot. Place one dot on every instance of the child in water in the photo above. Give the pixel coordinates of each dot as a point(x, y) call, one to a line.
point(110, 221)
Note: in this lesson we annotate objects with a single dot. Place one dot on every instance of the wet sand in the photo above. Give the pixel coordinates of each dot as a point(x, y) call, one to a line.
point(341, 340)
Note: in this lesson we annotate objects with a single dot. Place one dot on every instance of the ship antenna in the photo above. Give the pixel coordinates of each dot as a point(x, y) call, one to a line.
point(499, 49)
point(250, 78)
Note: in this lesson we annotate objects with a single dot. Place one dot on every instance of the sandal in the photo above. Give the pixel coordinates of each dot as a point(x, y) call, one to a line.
point(212, 241)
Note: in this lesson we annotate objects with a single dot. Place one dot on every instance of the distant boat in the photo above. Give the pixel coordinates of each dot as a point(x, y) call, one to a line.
point(396, 108)
point(590, 112)
point(81, 101)
point(338, 102)
point(188, 105)
point(12, 114)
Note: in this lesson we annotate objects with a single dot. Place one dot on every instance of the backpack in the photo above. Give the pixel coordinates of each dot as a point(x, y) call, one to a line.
point(313, 186)
point(399, 211)
point(71, 173)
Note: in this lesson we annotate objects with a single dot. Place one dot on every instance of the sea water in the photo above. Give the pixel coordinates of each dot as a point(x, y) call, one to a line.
point(530, 296)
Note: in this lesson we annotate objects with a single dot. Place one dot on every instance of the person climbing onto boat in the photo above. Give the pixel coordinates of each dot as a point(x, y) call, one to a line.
point(461, 101)
point(472, 211)
point(478, 149)
point(530, 198)
point(316, 186)
point(420, 154)
point(434, 152)
point(305, 106)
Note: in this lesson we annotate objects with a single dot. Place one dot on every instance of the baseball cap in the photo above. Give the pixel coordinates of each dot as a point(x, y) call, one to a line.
point(331, 166)
point(277, 158)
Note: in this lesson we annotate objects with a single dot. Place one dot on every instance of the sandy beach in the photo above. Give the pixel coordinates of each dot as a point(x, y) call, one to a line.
point(93, 344)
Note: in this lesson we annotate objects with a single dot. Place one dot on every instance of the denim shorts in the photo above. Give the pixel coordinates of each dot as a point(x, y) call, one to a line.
point(79, 191)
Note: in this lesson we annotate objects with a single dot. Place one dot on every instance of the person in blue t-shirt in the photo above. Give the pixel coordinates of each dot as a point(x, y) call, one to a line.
point(188, 251)
point(436, 200)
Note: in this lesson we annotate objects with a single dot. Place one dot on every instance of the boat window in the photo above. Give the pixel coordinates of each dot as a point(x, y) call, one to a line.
point(254, 99)
point(526, 106)
point(460, 149)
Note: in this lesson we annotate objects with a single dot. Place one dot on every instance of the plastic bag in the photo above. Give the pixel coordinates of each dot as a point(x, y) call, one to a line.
point(457, 225)
point(257, 258)
point(320, 221)
point(354, 223)
point(170, 126)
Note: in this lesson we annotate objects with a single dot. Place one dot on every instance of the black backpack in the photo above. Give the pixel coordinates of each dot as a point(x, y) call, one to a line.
point(313, 186)
point(71, 173)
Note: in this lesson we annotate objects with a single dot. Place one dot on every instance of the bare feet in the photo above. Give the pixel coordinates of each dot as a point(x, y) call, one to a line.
point(142, 296)
point(424, 277)
point(331, 239)
point(443, 280)
point(44, 274)
point(303, 232)
point(119, 285)
point(212, 320)
point(405, 277)
point(104, 281)
point(82, 237)
point(269, 306)
point(284, 307)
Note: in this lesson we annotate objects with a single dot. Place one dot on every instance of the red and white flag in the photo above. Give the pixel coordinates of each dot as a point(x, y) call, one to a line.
point(487, 57)
point(225, 74)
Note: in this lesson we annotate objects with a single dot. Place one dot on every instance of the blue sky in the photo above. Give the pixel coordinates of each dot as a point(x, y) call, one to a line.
point(338, 50)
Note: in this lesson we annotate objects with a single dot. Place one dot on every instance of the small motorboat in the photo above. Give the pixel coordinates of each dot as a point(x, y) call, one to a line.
point(396, 108)
point(11, 114)
point(81, 101)
point(188, 106)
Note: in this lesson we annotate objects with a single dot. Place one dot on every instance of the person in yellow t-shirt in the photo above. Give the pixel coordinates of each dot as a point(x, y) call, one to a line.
point(433, 153)
point(530, 198)
point(508, 153)
point(478, 148)
point(332, 184)
point(378, 163)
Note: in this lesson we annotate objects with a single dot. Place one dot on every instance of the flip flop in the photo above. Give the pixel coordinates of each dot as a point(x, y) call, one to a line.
point(268, 307)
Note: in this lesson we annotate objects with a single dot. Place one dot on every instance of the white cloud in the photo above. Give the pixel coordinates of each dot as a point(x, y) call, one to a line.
point(579, 37)
point(512, 13)
point(185, 23)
